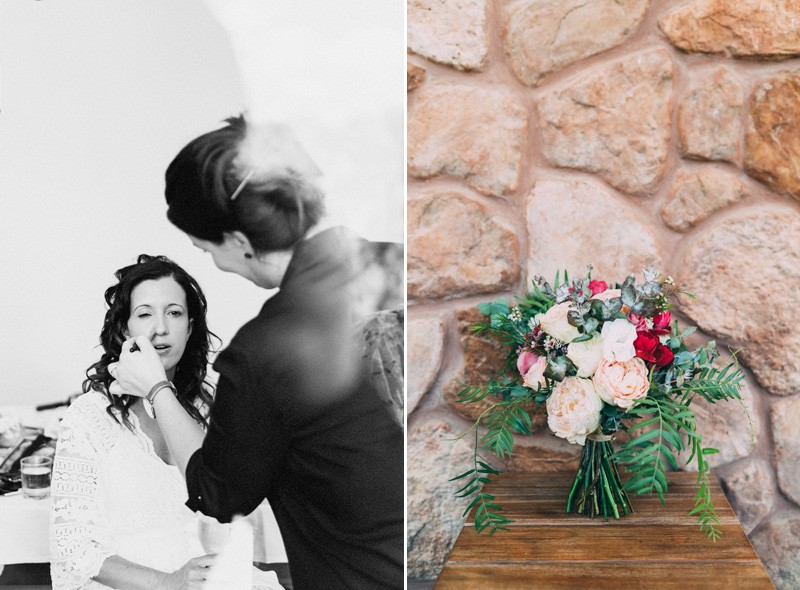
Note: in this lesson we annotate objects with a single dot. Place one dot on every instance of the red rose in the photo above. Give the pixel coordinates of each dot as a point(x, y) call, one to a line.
point(596, 286)
point(639, 321)
point(646, 344)
point(663, 355)
point(661, 322)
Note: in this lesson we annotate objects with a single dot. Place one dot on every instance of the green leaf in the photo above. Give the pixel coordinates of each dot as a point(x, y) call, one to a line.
point(628, 294)
point(499, 307)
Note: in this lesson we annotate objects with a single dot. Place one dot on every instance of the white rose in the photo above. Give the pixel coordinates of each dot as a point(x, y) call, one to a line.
point(618, 337)
point(622, 384)
point(555, 323)
point(573, 409)
point(586, 355)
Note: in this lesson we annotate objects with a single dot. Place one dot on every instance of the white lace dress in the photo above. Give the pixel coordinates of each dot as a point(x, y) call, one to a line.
point(112, 495)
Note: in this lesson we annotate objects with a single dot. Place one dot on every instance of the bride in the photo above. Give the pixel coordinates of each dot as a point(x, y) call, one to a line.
point(119, 518)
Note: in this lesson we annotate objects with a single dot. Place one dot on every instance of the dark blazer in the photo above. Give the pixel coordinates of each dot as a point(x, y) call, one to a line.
point(298, 421)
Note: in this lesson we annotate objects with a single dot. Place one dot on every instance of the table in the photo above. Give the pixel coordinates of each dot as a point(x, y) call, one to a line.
point(657, 547)
point(29, 519)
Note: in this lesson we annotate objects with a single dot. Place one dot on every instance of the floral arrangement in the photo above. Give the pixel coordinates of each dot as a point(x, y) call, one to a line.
point(603, 361)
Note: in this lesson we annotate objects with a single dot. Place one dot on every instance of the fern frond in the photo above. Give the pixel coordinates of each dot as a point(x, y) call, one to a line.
point(487, 512)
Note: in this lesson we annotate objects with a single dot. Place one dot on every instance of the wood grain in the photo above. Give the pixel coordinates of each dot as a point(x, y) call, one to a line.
point(655, 547)
point(607, 576)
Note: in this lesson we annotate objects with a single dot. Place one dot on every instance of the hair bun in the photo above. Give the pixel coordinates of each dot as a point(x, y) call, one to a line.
point(270, 150)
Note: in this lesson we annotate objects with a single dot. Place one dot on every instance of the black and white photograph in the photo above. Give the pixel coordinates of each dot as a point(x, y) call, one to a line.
point(203, 294)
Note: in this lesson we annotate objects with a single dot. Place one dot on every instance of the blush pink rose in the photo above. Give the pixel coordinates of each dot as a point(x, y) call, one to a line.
point(525, 361)
point(573, 409)
point(534, 376)
point(621, 383)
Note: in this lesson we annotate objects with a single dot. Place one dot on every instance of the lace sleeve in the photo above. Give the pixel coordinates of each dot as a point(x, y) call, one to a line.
point(78, 543)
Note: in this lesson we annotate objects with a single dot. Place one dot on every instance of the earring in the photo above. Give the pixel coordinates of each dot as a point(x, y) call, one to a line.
point(248, 255)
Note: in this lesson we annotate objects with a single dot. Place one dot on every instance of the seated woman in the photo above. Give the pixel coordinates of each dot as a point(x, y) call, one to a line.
point(119, 518)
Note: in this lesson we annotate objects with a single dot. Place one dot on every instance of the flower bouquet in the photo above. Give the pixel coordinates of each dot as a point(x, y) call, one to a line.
point(603, 361)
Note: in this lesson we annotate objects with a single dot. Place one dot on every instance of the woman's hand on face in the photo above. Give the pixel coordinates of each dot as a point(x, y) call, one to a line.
point(191, 576)
point(137, 370)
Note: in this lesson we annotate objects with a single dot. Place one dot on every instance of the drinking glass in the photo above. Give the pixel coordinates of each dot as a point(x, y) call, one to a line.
point(35, 472)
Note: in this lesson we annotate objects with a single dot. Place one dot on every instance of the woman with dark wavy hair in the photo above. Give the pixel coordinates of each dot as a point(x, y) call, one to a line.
point(186, 366)
point(119, 518)
point(298, 418)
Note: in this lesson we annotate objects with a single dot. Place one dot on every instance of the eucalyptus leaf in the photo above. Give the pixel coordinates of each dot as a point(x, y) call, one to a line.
point(651, 289)
point(613, 306)
point(590, 326)
point(599, 309)
point(559, 368)
point(643, 307)
point(628, 295)
point(574, 318)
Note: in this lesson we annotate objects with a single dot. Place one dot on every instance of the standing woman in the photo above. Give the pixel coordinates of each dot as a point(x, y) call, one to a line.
point(296, 418)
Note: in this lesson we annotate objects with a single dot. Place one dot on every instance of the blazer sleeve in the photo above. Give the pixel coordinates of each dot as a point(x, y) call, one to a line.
point(245, 445)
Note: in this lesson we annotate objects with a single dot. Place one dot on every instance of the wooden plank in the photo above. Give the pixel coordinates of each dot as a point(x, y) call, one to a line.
point(709, 575)
point(540, 499)
point(656, 547)
point(517, 481)
point(552, 509)
point(663, 543)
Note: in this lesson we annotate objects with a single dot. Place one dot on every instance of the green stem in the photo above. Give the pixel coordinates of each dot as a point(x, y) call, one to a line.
point(597, 487)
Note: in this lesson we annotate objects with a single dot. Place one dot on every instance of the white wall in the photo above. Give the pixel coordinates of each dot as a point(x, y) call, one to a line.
point(96, 97)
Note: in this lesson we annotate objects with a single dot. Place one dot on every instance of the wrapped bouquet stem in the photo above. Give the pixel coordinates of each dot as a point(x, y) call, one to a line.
point(604, 361)
point(597, 489)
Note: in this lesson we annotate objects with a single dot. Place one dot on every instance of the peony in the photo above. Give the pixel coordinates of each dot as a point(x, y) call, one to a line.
point(573, 409)
point(621, 384)
point(555, 323)
point(586, 355)
point(618, 337)
point(534, 376)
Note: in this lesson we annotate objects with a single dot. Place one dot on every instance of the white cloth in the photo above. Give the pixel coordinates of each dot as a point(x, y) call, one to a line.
point(112, 495)
point(23, 529)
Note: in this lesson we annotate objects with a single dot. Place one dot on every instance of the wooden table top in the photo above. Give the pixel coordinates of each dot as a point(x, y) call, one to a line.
point(657, 547)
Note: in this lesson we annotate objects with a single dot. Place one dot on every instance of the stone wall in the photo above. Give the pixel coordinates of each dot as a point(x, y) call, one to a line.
point(545, 134)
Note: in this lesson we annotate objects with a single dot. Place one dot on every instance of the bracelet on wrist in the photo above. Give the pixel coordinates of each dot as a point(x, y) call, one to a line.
point(151, 396)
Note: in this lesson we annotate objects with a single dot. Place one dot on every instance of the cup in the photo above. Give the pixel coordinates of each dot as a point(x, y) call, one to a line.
point(213, 534)
point(35, 471)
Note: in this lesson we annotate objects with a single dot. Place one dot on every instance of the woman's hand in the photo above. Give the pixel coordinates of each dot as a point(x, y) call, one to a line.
point(191, 576)
point(137, 370)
